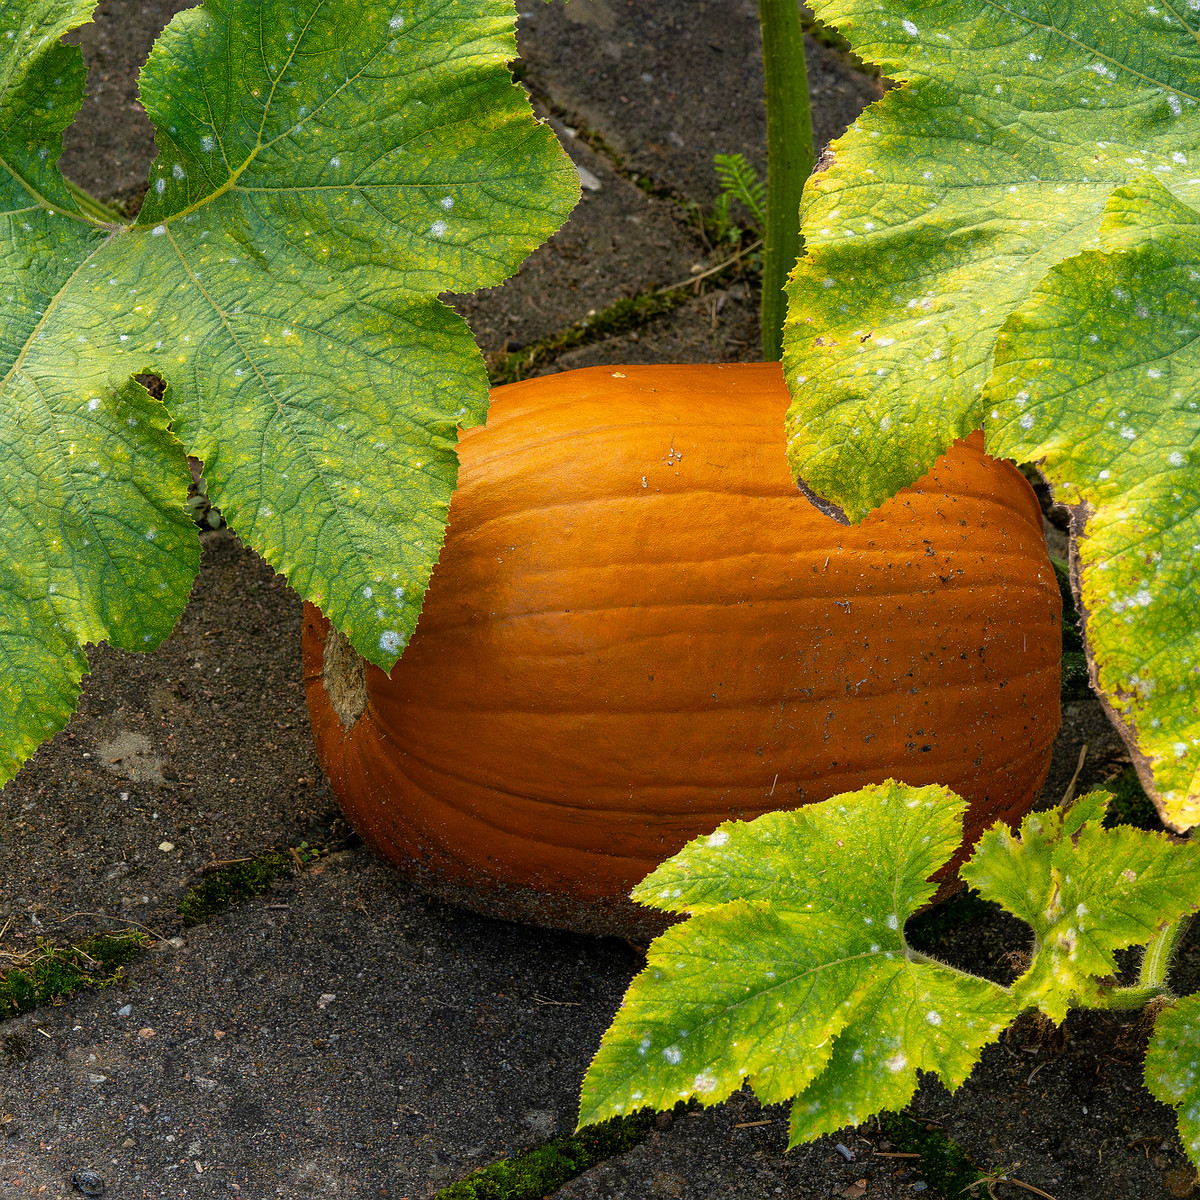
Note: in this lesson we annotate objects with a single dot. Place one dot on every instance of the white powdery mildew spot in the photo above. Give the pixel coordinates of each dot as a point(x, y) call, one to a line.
point(909, 28)
point(93, 404)
point(719, 838)
point(1175, 458)
point(705, 1082)
point(391, 642)
point(447, 202)
point(893, 922)
point(368, 592)
point(335, 162)
point(896, 1063)
point(158, 231)
point(438, 228)
point(673, 1055)
point(1174, 104)
point(397, 22)
point(934, 1018)
point(1154, 372)
point(160, 185)
point(1026, 421)
point(397, 594)
point(1128, 433)
point(178, 171)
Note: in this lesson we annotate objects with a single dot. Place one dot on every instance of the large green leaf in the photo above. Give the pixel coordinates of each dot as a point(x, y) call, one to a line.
point(327, 167)
point(1097, 379)
point(1028, 139)
point(949, 200)
point(793, 971)
point(1173, 1068)
point(1086, 890)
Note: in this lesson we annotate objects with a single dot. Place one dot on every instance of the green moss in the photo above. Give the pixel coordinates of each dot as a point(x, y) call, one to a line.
point(623, 315)
point(943, 1165)
point(546, 1168)
point(1074, 685)
point(233, 884)
point(925, 930)
point(13, 1048)
point(1129, 804)
point(51, 972)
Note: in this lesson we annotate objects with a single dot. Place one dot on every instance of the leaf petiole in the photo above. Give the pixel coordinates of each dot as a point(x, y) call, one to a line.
point(97, 209)
point(1156, 961)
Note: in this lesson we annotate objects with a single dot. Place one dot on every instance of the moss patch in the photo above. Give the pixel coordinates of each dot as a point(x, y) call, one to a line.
point(1074, 685)
point(233, 884)
point(48, 972)
point(546, 1168)
point(623, 315)
point(1129, 804)
point(944, 1165)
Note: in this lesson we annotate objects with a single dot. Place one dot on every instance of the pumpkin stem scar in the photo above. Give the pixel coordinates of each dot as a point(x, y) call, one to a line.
point(343, 672)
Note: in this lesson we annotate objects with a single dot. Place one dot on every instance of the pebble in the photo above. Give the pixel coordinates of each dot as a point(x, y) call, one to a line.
point(847, 1154)
point(124, 1010)
point(919, 1186)
point(89, 1183)
point(165, 847)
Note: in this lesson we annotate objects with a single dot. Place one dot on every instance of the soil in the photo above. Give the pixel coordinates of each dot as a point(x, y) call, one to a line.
point(344, 1035)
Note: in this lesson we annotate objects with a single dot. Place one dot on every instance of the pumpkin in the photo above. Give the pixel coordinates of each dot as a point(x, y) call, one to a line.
point(638, 628)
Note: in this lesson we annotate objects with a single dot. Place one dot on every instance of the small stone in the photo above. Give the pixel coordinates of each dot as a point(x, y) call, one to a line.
point(919, 1186)
point(166, 847)
point(89, 1183)
point(124, 1010)
point(127, 1143)
point(146, 1032)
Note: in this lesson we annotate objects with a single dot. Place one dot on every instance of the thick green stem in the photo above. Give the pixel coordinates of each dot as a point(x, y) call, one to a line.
point(1156, 961)
point(789, 159)
point(1130, 997)
point(1152, 975)
point(94, 208)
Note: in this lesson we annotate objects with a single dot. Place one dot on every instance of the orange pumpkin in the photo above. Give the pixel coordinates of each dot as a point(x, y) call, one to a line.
point(639, 628)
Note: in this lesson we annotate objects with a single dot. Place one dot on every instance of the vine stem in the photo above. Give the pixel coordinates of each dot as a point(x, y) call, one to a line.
point(1156, 961)
point(789, 159)
point(1152, 975)
point(94, 208)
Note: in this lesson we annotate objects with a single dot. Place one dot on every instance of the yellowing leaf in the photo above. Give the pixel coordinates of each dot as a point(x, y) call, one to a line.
point(794, 972)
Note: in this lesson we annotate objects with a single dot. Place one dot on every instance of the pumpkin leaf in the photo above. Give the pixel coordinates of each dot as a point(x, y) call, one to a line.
point(326, 168)
point(1087, 891)
point(949, 200)
point(1173, 1067)
point(956, 246)
point(1097, 380)
point(793, 971)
